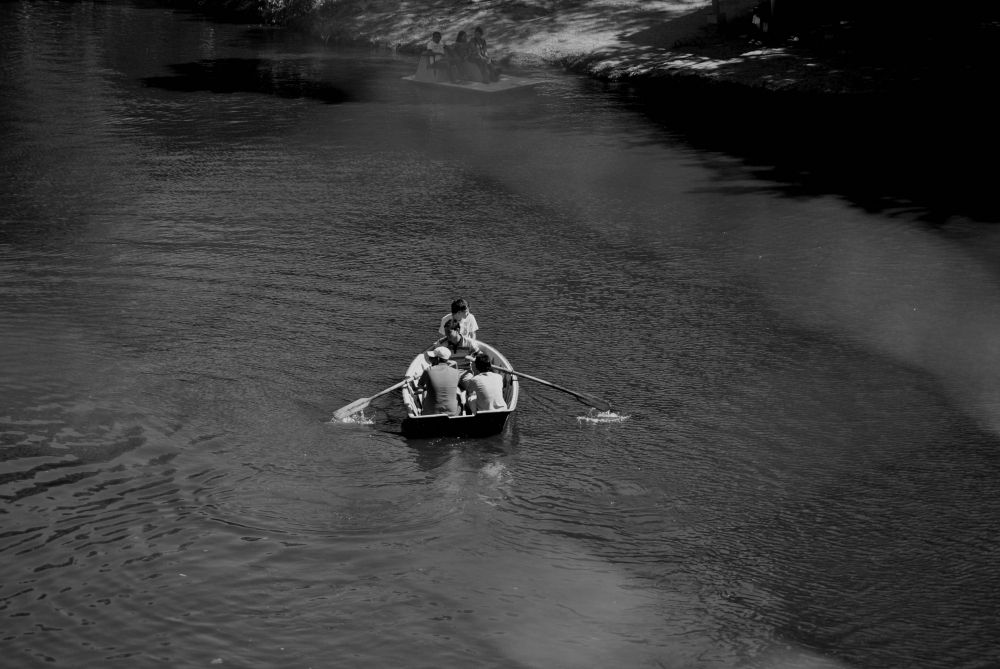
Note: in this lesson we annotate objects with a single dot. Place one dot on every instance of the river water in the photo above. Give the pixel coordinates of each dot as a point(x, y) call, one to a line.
point(214, 235)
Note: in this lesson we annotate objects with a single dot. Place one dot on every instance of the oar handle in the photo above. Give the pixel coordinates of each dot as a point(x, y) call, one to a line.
point(589, 400)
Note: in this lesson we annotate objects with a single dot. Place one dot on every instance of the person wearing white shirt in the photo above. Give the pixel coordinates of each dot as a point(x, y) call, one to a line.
point(467, 324)
point(438, 57)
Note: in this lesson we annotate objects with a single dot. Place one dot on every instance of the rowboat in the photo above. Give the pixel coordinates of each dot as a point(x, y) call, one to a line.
point(433, 77)
point(484, 423)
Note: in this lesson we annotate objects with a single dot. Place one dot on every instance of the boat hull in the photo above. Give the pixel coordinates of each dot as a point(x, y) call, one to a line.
point(439, 78)
point(483, 424)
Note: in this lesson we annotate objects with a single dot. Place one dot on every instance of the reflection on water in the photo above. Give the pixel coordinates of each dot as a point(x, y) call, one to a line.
point(246, 75)
point(201, 261)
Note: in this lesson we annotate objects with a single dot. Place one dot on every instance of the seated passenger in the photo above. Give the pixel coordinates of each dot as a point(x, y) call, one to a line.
point(458, 344)
point(457, 53)
point(441, 382)
point(485, 389)
point(436, 54)
point(479, 55)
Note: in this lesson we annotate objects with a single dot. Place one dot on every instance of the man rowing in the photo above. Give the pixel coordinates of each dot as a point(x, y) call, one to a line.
point(460, 346)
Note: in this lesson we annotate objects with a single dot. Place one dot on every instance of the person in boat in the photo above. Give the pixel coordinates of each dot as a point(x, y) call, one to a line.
point(479, 55)
point(458, 52)
point(466, 321)
point(441, 381)
point(438, 58)
point(460, 346)
point(484, 390)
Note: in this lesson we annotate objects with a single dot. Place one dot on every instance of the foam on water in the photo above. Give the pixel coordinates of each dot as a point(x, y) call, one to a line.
point(596, 416)
point(359, 418)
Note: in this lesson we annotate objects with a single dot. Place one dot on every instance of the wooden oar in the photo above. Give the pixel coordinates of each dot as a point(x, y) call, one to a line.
point(589, 400)
point(358, 405)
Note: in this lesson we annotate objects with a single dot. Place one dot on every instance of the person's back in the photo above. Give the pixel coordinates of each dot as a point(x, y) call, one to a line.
point(487, 391)
point(441, 381)
point(443, 385)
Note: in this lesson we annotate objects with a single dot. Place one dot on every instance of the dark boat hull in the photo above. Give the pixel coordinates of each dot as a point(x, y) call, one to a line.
point(483, 424)
point(506, 84)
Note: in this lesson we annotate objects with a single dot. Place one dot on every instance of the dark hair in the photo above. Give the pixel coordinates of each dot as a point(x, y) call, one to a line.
point(478, 30)
point(436, 34)
point(483, 363)
point(459, 305)
point(460, 36)
point(452, 324)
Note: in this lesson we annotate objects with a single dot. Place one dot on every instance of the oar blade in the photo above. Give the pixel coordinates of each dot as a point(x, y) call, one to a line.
point(595, 402)
point(352, 408)
point(358, 405)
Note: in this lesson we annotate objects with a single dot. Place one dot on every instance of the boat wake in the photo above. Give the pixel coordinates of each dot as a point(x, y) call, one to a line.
point(595, 417)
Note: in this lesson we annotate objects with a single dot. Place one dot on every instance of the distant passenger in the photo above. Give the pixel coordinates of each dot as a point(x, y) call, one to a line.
point(458, 344)
point(437, 56)
point(485, 389)
point(458, 52)
point(479, 55)
point(441, 381)
point(460, 312)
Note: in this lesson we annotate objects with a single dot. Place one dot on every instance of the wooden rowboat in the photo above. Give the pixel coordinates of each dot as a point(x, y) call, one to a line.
point(507, 83)
point(484, 423)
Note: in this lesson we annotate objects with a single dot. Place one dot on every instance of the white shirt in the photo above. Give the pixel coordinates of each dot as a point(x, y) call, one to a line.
point(436, 47)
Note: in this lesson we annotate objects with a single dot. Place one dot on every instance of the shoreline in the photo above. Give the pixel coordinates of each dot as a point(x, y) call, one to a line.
point(890, 132)
point(664, 40)
point(643, 41)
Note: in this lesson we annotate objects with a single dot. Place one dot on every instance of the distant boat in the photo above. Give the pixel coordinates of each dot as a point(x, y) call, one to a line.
point(484, 423)
point(506, 84)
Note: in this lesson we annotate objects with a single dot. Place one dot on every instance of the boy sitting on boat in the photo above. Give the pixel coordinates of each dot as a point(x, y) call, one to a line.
point(466, 321)
point(479, 55)
point(439, 59)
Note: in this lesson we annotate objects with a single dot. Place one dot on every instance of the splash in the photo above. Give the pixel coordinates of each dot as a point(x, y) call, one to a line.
point(595, 417)
point(359, 418)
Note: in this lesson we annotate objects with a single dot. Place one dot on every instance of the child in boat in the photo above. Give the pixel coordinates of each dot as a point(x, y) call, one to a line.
point(466, 321)
point(479, 55)
point(438, 58)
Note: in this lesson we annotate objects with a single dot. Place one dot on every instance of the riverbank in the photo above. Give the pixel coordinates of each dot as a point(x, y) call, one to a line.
point(630, 40)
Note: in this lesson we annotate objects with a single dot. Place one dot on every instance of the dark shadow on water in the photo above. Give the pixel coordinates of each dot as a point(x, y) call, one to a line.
point(249, 75)
point(933, 153)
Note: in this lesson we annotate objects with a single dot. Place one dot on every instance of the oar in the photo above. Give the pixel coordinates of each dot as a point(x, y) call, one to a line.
point(583, 397)
point(358, 405)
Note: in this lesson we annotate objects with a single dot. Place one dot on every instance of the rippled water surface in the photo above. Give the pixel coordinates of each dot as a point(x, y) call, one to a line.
point(214, 235)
